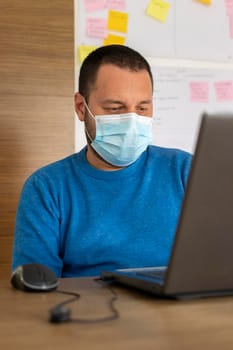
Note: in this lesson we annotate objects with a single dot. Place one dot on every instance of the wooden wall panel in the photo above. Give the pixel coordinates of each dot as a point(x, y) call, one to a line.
point(36, 99)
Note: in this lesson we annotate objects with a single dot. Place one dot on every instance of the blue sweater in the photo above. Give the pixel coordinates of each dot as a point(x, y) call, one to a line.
point(79, 220)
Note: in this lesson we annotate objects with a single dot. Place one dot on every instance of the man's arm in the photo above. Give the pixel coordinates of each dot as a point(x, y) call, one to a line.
point(37, 227)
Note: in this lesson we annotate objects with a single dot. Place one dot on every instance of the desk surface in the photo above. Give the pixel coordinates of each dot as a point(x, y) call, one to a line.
point(145, 322)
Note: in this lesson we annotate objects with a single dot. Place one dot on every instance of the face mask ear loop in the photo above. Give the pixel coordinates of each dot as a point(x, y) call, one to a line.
point(88, 135)
point(85, 104)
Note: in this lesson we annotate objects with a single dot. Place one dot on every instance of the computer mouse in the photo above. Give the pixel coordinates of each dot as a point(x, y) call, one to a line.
point(34, 278)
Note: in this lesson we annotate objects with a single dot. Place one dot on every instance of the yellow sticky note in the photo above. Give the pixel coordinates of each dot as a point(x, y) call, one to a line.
point(84, 51)
point(158, 9)
point(117, 21)
point(206, 2)
point(114, 39)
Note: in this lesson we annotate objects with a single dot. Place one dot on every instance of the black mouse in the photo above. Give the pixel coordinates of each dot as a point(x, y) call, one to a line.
point(34, 278)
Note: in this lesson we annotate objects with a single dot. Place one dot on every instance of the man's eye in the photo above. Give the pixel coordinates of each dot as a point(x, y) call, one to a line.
point(113, 109)
point(142, 109)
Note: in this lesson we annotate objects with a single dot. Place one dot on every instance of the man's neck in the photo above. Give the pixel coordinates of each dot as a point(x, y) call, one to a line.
point(99, 163)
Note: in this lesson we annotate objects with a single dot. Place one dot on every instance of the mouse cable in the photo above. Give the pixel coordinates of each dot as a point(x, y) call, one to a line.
point(60, 313)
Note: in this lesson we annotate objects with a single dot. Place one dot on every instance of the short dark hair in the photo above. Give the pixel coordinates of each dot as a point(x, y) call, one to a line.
point(119, 55)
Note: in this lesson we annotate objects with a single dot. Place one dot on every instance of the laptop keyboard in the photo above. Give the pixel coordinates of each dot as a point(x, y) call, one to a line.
point(156, 273)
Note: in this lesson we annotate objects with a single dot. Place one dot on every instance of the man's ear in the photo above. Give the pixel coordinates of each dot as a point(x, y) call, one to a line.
point(79, 106)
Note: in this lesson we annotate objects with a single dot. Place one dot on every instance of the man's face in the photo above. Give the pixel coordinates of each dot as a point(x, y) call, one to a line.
point(115, 91)
point(119, 90)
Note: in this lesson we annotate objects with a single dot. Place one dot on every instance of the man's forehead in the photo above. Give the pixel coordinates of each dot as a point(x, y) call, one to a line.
point(105, 70)
point(121, 83)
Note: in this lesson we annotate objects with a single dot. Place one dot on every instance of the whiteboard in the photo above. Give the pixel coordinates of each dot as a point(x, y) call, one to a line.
point(177, 113)
point(191, 30)
point(143, 31)
point(203, 32)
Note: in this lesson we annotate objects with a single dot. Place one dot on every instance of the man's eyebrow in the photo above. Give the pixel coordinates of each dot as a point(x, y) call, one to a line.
point(145, 102)
point(111, 101)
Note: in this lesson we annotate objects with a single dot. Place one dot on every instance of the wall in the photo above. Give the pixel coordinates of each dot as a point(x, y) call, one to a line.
point(36, 99)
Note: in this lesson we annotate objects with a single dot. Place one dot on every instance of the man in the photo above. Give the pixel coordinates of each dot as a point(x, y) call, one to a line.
point(116, 203)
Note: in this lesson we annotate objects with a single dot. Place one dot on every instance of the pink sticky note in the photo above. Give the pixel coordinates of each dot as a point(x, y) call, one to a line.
point(96, 27)
point(224, 91)
point(199, 91)
point(229, 7)
point(119, 5)
point(94, 5)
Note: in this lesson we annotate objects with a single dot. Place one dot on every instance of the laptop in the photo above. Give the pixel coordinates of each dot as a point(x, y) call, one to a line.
point(201, 260)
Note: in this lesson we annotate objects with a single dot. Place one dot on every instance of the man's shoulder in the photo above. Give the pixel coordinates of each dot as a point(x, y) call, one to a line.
point(169, 158)
point(170, 161)
point(57, 165)
point(165, 152)
point(59, 168)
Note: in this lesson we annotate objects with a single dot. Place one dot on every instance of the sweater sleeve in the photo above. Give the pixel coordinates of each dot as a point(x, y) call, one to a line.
point(186, 167)
point(37, 227)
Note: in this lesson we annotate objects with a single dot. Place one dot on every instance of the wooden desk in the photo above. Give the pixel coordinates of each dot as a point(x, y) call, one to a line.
point(145, 322)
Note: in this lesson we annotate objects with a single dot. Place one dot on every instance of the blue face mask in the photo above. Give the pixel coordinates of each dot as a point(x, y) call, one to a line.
point(121, 138)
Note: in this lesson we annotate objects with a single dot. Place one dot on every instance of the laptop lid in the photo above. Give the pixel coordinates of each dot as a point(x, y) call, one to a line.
point(201, 261)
